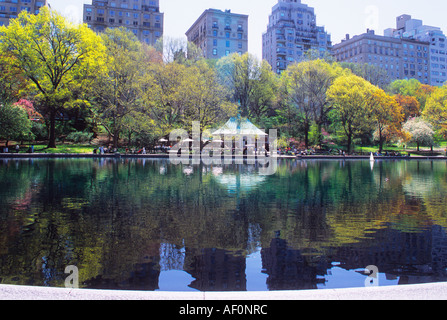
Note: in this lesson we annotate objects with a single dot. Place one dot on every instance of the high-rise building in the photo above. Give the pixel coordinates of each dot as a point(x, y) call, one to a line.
point(10, 9)
point(408, 28)
point(292, 31)
point(142, 17)
point(219, 33)
point(402, 58)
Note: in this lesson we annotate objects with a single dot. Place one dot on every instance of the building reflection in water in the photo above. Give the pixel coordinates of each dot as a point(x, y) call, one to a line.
point(411, 258)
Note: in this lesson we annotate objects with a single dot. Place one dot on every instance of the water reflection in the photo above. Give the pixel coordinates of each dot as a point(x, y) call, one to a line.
point(150, 225)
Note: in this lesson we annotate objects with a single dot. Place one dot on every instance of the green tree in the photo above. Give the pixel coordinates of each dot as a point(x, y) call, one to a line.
point(308, 83)
point(205, 97)
point(296, 97)
point(164, 96)
point(250, 82)
point(374, 74)
point(14, 123)
point(55, 55)
point(413, 88)
point(116, 90)
point(350, 96)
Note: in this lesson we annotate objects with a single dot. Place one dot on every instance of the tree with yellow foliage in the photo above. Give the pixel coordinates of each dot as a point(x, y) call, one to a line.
point(387, 116)
point(436, 110)
point(351, 98)
point(55, 55)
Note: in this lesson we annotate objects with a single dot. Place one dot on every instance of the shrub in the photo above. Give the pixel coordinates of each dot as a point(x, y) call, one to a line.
point(80, 137)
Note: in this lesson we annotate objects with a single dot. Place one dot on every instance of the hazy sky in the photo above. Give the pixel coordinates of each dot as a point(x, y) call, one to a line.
point(338, 16)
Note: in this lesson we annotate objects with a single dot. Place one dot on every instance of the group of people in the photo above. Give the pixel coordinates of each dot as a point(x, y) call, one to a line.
point(388, 154)
point(5, 149)
point(109, 150)
point(102, 150)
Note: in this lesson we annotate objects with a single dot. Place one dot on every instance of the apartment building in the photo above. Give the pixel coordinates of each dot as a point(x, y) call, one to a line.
point(402, 58)
point(142, 17)
point(10, 9)
point(219, 33)
point(292, 31)
point(409, 28)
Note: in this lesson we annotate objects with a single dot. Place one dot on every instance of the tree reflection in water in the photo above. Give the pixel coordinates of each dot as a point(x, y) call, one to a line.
point(127, 224)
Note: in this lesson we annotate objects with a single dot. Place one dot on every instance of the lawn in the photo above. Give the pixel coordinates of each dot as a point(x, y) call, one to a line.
point(66, 148)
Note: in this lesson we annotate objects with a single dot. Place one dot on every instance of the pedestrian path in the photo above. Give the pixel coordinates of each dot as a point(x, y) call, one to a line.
point(433, 291)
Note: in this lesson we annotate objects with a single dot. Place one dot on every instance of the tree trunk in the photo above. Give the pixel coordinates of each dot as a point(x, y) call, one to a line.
point(320, 135)
point(129, 138)
point(380, 142)
point(52, 138)
point(306, 134)
point(116, 138)
point(349, 143)
point(417, 145)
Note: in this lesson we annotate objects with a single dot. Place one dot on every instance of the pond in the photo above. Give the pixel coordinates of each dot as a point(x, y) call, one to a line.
point(141, 224)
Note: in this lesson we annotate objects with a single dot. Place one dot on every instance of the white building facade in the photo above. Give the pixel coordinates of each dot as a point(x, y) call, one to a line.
point(292, 31)
point(408, 28)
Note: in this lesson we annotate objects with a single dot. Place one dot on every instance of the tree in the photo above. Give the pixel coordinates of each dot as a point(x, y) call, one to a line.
point(405, 87)
point(410, 106)
point(308, 83)
point(116, 90)
point(55, 55)
point(387, 116)
point(436, 110)
point(293, 84)
point(33, 115)
point(421, 132)
point(205, 97)
point(12, 82)
point(350, 96)
point(287, 114)
point(375, 75)
point(264, 94)
point(162, 95)
point(413, 88)
point(178, 50)
point(14, 123)
point(249, 81)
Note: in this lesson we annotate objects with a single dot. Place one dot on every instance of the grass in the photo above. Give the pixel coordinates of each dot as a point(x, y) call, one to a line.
point(72, 148)
point(87, 148)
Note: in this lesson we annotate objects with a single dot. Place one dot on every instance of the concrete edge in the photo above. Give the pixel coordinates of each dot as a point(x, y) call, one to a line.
point(432, 291)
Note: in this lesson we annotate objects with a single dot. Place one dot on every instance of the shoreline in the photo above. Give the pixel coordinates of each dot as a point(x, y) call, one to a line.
point(430, 291)
point(167, 156)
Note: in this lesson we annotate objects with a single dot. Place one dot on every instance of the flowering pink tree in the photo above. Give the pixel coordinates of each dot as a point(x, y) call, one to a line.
point(33, 115)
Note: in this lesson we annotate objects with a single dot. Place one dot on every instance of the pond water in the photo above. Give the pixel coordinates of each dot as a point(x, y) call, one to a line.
point(140, 224)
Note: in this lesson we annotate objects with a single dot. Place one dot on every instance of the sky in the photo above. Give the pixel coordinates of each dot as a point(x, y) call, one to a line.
point(339, 17)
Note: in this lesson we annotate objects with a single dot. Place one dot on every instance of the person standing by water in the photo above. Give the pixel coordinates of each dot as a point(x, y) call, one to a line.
point(17, 148)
